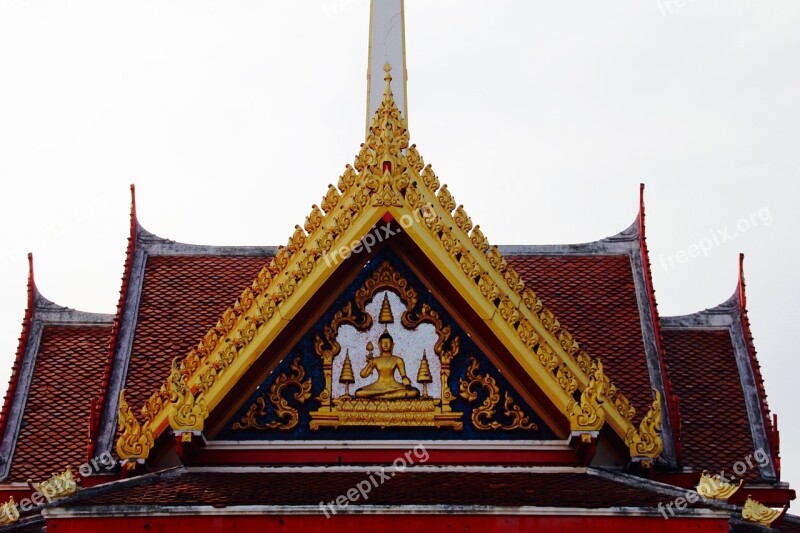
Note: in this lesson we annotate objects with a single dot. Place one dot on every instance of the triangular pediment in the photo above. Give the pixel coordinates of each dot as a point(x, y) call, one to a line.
point(389, 183)
point(334, 384)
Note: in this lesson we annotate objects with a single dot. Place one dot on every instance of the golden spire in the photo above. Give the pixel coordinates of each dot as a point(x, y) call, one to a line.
point(424, 375)
point(386, 316)
point(347, 377)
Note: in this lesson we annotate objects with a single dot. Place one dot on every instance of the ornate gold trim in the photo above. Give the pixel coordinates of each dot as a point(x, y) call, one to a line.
point(186, 412)
point(715, 488)
point(58, 486)
point(757, 512)
point(482, 416)
point(390, 176)
point(588, 414)
point(647, 443)
point(282, 408)
point(135, 440)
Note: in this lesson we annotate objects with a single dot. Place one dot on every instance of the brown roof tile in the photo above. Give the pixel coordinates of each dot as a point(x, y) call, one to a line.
point(68, 371)
point(716, 428)
point(182, 297)
point(594, 297)
point(440, 488)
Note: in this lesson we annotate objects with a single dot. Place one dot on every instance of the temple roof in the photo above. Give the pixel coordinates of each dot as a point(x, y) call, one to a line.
point(54, 388)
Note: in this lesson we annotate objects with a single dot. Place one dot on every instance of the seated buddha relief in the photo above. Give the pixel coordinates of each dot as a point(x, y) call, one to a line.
point(387, 365)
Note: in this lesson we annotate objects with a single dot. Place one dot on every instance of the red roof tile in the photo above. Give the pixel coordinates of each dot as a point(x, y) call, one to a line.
point(68, 370)
point(716, 429)
point(440, 488)
point(594, 297)
point(182, 297)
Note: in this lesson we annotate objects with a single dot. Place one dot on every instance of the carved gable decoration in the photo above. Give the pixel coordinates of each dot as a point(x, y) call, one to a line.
point(385, 362)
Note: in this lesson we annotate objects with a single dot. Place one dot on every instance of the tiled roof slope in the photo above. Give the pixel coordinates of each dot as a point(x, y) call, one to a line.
point(68, 369)
point(723, 403)
point(287, 487)
point(182, 297)
point(716, 428)
point(594, 296)
point(57, 373)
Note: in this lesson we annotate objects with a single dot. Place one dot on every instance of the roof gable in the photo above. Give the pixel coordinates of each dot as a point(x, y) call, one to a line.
point(389, 181)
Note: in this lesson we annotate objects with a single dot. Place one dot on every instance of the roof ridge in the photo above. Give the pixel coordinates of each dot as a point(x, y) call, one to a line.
point(770, 424)
point(670, 399)
point(98, 401)
point(21, 348)
point(617, 244)
point(157, 245)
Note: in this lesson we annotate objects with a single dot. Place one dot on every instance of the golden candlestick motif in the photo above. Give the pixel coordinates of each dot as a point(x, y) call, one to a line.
point(347, 377)
point(424, 375)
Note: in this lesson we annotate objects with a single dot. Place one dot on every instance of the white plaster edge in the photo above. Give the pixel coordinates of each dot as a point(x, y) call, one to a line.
point(372, 468)
point(102, 511)
point(529, 445)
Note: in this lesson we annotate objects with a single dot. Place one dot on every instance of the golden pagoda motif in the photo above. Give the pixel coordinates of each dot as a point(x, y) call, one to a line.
point(347, 377)
point(424, 375)
point(386, 316)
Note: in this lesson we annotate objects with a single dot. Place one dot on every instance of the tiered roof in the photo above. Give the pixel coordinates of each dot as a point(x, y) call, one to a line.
point(217, 310)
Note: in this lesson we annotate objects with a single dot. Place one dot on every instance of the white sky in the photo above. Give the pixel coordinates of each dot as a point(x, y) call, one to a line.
point(232, 118)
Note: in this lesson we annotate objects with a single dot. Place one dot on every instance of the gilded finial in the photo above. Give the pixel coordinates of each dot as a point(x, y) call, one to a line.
point(386, 316)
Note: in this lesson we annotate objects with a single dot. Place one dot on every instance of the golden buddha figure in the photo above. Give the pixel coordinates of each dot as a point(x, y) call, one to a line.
point(386, 386)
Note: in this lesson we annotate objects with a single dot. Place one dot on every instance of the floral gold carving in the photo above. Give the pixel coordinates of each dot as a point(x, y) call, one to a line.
point(714, 487)
point(134, 441)
point(186, 412)
point(647, 441)
point(483, 416)
point(757, 512)
point(58, 486)
point(286, 416)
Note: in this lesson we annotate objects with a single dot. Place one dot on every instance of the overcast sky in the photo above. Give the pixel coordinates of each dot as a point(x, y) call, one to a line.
point(232, 117)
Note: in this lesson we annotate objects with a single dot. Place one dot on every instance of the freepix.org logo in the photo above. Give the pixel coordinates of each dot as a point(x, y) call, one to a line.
point(378, 235)
point(373, 480)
